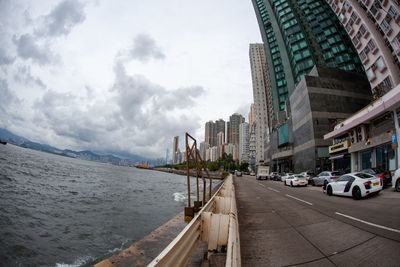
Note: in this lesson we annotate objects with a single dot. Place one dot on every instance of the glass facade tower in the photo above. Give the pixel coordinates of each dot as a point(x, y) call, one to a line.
point(298, 35)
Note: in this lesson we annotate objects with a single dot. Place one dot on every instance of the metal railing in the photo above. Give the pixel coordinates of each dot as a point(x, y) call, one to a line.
point(216, 223)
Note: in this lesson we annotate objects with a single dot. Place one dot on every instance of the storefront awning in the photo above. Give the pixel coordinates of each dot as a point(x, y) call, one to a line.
point(337, 156)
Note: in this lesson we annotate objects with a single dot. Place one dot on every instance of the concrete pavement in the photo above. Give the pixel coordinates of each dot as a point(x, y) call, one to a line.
point(282, 226)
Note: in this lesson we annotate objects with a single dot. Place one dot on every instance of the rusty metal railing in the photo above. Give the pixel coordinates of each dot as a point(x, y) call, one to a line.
point(192, 153)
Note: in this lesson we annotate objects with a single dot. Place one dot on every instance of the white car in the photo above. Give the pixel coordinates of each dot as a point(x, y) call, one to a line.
point(285, 176)
point(396, 180)
point(356, 185)
point(296, 180)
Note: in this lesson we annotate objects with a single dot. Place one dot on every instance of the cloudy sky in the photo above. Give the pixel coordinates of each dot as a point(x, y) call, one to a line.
point(123, 75)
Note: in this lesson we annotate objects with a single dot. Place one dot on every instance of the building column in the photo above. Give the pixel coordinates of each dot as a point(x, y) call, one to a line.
point(397, 129)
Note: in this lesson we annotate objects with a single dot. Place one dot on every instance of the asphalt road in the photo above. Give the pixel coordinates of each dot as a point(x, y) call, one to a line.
point(302, 226)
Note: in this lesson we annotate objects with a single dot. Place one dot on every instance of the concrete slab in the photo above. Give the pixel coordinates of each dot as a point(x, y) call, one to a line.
point(375, 252)
point(275, 248)
point(318, 263)
point(333, 236)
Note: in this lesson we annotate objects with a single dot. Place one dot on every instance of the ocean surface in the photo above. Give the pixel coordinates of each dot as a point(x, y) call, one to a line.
point(59, 211)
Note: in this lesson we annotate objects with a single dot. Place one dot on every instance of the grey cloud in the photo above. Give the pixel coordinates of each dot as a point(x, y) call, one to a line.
point(24, 75)
point(144, 48)
point(62, 19)
point(27, 48)
point(5, 58)
point(9, 104)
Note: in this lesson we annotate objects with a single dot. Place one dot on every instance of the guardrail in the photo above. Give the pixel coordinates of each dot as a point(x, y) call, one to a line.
point(216, 223)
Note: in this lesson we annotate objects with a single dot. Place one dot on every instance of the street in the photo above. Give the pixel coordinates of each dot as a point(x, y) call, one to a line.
point(302, 226)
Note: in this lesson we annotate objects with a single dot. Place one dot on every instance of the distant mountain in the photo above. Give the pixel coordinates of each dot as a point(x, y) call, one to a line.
point(123, 159)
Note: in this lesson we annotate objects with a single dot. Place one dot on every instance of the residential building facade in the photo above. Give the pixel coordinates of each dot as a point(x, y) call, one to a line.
point(211, 133)
point(374, 28)
point(175, 149)
point(234, 121)
point(244, 142)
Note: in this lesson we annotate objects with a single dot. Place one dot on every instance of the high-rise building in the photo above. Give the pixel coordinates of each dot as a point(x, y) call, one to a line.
point(211, 133)
point(297, 35)
point(203, 148)
point(175, 149)
point(374, 28)
point(262, 98)
point(220, 124)
point(244, 142)
point(167, 156)
point(252, 146)
point(252, 117)
point(234, 121)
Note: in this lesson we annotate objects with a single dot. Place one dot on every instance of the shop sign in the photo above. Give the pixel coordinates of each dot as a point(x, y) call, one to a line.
point(394, 138)
point(339, 146)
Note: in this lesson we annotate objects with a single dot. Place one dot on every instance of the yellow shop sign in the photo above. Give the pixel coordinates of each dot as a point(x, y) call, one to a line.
point(339, 146)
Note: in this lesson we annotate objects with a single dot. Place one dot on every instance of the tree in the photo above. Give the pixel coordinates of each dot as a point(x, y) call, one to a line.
point(244, 166)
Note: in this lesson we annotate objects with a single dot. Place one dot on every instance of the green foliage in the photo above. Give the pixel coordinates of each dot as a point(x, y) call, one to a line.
point(244, 166)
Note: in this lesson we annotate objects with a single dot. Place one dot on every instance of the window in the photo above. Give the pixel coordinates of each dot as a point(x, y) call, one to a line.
point(393, 12)
point(385, 27)
point(371, 45)
point(380, 63)
point(396, 42)
point(362, 29)
point(370, 73)
point(387, 82)
point(354, 16)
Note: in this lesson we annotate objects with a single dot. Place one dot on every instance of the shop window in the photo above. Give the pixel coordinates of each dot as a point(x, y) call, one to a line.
point(366, 160)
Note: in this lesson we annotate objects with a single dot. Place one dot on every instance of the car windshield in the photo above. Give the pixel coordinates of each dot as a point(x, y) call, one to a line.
point(363, 175)
point(300, 176)
point(370, 171)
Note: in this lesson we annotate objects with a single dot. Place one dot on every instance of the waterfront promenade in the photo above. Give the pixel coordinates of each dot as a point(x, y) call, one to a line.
point(285, 226)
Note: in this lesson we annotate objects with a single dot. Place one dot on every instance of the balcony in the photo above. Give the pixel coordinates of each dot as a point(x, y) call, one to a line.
point(357, 20)
point(366, 2)
point(377, 15)
point(375, 50)
point(349, 9)
point(384, 2)
point(351, 31)
point(366, 34)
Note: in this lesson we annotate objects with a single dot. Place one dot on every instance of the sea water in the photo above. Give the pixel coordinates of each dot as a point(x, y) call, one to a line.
point(59, 211)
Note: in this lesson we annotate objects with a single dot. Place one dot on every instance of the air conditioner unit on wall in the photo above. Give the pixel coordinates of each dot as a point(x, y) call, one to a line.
point(353, 138)
point(361, 133)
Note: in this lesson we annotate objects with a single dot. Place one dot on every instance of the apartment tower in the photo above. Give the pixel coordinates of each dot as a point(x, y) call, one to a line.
point(374, 28)
point(297, 35)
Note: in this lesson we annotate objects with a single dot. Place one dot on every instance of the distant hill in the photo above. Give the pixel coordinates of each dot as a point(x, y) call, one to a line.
point(123, 159)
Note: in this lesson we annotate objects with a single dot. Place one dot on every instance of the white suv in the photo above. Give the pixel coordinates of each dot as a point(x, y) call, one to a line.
point(396, 180)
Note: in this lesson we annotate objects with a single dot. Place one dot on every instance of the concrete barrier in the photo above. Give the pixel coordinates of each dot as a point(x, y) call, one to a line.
point(216, 223)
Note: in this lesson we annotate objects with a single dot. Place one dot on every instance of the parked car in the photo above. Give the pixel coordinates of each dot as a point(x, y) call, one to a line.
point(309, 175)
point(284, 176)
point(252, 174)
point(238, 173)
point(325, 177)
point(385, 175)
point(275, 176)
point(296, 180)
point(396, 180)
point(356, 185)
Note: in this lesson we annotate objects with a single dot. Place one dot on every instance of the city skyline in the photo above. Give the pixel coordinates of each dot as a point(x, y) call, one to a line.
point(130, 86)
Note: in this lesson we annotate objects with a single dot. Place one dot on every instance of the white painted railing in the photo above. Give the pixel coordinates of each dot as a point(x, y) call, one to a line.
point(216, 223)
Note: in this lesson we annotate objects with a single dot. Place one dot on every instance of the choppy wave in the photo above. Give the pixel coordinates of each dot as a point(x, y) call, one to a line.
point(77, 263)
point(63, 209)
point(179, 197)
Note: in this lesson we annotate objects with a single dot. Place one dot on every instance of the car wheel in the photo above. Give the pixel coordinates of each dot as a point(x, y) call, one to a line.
point(329, 191)
point(397, 187)
point(291, 184)
point(312, 183)
point(356, 193)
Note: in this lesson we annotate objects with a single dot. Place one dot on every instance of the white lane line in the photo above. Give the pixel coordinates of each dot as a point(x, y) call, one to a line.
point(309, 203)
point(369, 223)
point(272, 189)
point(261, 184)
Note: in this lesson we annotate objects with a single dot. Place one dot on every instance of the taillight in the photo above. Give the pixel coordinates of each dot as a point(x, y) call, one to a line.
point(333, 178)
point(296, 180)
point(367, 184)
point(380, 176)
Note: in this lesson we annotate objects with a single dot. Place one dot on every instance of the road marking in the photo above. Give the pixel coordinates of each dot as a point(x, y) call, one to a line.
point(309, 203)
point(369, 223)
point(272, 189)
point(261, 184)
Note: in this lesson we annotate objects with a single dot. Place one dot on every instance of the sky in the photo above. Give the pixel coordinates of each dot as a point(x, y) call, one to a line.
point(123, 76)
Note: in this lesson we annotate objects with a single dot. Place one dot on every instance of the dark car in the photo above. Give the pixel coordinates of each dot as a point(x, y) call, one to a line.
point(386, 176)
